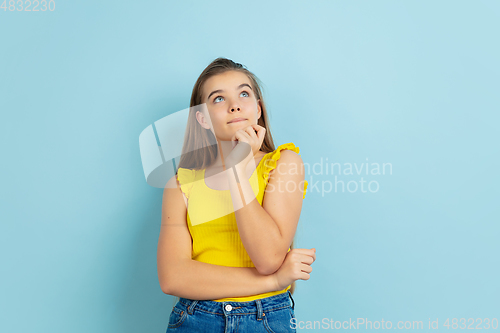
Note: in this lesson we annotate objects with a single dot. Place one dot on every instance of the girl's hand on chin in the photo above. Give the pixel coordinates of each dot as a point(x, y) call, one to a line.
point(246, 144)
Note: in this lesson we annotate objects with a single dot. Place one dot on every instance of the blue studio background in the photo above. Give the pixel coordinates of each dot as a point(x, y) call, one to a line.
point(413, 84)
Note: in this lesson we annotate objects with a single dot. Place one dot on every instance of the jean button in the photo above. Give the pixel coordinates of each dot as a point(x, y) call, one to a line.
point(229, 307)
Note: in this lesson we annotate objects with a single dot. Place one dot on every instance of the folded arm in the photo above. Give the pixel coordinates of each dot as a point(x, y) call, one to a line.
point(181, 276)
point(267, 231)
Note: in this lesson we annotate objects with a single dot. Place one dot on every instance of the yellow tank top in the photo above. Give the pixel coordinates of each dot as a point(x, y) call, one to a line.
point(212, 223)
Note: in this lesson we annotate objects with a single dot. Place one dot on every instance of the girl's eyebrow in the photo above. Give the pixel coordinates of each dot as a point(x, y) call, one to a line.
point(219, 90)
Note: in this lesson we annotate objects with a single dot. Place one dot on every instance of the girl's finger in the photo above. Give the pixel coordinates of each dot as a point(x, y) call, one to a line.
point(251, 132)
point(233, 141)
point(308, 260)
point(242, 136)
point(308, 252)
point(261, 131)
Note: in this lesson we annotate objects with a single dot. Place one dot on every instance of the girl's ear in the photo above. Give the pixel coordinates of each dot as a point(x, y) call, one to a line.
point(260, 110)
point(200, 117)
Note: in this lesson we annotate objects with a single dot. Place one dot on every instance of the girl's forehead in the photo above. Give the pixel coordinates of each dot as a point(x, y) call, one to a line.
point(227, 80)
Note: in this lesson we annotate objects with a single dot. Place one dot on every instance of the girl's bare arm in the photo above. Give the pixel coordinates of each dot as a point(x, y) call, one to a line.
point(279, 213)
point(181, 276)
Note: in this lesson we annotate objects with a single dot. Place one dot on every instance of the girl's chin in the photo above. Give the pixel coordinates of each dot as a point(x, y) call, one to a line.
point(225, 137)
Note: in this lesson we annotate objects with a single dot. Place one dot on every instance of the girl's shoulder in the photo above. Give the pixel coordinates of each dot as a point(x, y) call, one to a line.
point(186, 178)
point(270, 161)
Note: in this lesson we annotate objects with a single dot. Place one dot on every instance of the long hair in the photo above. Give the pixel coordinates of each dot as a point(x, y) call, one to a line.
point(194, 157)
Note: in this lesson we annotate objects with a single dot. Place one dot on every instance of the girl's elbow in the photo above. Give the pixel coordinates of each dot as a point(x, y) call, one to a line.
point(263, 270)
point(166, 287)
point(268, 269)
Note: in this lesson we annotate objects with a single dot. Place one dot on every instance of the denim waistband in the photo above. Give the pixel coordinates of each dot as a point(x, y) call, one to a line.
point(256, 306)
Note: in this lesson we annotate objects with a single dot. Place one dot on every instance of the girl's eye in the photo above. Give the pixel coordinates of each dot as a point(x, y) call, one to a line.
point(243, 92)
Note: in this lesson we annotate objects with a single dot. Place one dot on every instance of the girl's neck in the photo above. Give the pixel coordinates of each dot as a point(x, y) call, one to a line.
point(224, 148)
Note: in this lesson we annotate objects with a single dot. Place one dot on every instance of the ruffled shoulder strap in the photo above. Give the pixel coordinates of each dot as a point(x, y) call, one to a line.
point(186, 178)
point(270, 161)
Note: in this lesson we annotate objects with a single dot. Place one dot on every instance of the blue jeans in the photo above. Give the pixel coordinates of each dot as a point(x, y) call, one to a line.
point(271, 314)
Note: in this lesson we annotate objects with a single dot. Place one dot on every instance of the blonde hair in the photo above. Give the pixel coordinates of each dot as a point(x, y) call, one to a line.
point(196, 136)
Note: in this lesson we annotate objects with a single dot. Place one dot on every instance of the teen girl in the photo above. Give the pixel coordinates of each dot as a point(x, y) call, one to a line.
point(230, 214)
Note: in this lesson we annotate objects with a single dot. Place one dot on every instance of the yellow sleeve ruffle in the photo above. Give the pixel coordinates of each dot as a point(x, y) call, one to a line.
point(186, 179)
point(271, 161)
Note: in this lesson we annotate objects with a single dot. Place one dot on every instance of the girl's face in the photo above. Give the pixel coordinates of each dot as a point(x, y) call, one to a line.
point(228, 96)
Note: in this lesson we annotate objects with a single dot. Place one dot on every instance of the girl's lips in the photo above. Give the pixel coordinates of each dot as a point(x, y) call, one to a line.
point(236, 121)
